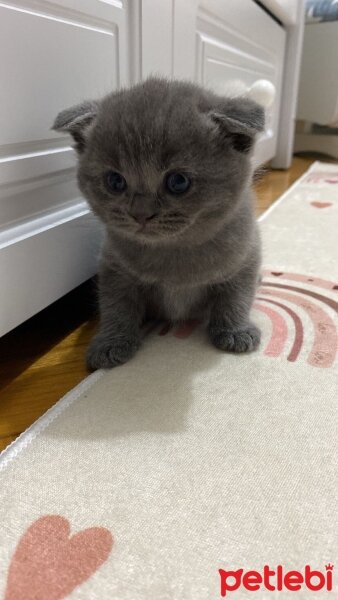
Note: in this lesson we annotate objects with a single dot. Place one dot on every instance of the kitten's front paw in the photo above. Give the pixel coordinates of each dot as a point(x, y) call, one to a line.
point(243, 339)
point(105, 353)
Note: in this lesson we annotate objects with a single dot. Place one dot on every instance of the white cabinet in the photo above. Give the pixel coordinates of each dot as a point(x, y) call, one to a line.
point(231, 48)
point(55, 54)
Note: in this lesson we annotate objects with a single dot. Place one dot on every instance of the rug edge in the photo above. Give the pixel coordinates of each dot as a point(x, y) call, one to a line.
point(27, 436)
point(290, 189)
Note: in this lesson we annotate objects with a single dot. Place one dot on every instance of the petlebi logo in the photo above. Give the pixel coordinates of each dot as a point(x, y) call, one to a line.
point(277, 579)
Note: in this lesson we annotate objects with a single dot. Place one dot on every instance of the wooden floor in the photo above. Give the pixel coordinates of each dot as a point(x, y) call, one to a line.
point(44, 358)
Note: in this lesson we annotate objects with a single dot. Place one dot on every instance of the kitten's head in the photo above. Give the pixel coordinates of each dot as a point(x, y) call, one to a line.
point(163, 160)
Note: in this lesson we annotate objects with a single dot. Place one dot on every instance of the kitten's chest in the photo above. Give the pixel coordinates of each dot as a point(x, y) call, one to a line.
point(182, 303)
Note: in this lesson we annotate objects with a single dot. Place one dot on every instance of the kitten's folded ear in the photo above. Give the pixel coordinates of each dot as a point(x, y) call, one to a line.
point(76, 121)
point(240, 120)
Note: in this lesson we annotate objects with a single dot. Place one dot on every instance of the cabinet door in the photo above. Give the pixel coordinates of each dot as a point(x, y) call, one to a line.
point(53, 55)
point(232, 48)
point(215, 42)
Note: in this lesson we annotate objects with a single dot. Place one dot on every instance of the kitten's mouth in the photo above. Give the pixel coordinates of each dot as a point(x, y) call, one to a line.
point(158, 229)
point(142, 228)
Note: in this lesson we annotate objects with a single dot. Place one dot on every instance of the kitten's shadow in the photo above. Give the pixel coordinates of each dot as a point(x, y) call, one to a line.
point(151, 393)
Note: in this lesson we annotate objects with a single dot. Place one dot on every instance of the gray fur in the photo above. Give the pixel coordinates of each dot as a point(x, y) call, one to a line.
point(76, 121)
point(198, 255)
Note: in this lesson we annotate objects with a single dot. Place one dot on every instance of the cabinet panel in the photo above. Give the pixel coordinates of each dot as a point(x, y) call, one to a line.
point(54, 62)
point(56, 54)
point(225, 55)
point(58, 57)
point(156, 21)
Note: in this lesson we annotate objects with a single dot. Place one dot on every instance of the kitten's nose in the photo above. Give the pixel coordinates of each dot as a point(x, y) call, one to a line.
point(143, 218)
point(142, 210)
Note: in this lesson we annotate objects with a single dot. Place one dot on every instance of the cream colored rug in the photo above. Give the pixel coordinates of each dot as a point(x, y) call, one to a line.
point(154, 480)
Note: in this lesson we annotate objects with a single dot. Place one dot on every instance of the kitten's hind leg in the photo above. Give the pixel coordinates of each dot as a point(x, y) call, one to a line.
point(230, 328)
point(121, 312)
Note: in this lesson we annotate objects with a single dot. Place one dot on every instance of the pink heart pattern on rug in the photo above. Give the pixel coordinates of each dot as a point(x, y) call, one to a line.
point(48, 563)
point(321, 204)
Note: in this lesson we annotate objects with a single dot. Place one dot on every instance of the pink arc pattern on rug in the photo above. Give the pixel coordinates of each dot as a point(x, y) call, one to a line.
point(280, 331)
point(269, 301)
point(324, 337)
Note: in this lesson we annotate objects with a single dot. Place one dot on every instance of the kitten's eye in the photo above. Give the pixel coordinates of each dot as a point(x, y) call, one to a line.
point(115, 182)
point(177, 183)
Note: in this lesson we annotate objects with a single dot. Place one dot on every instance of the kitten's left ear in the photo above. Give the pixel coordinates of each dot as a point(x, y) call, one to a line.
point(240, 120)
point(76, 121)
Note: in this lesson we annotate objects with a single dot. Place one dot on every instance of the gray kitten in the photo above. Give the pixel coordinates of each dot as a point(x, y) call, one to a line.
point(166, 166)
